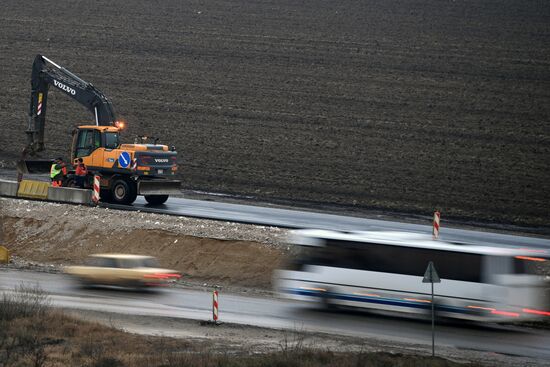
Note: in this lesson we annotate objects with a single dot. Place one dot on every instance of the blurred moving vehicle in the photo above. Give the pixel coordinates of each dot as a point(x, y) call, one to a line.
point(122, 270)
point(384, 271)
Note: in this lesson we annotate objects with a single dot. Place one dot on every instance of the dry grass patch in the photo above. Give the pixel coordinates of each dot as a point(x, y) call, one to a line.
point(32, 334)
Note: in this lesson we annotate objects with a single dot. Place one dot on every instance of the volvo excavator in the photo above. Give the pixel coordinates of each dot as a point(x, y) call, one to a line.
point(125, 170)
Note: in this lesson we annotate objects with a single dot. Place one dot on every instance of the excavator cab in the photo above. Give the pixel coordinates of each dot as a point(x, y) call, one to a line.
point(90, 143)
point(85, 141)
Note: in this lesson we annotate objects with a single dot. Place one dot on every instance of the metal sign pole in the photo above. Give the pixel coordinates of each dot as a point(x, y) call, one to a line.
point(431, 276)
point(433, 322)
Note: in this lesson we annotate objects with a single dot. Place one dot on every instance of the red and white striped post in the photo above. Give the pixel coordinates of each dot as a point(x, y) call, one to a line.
point(95, 193)
point(215, 306)
point(39, 106)
point(437, 217)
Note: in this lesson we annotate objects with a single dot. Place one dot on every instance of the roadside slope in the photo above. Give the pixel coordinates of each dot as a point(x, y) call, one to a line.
point(204, 251)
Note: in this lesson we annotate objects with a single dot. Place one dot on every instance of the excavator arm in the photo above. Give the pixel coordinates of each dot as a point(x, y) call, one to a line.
point(45, 74)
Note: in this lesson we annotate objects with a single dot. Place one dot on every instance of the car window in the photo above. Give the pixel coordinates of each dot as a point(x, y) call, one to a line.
point(107, 263)
point(150, 263)
point(138, 263)
point(129, 263)
point(92, 261)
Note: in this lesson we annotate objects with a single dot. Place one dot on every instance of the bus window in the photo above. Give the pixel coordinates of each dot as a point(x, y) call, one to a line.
point(461, 266)
point(526, 266)
point(324, 256)
point(303, 255)
point(493, 266)
point(405, 260)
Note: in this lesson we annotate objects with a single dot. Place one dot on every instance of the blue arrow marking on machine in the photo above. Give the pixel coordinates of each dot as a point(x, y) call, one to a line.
point(124, 159)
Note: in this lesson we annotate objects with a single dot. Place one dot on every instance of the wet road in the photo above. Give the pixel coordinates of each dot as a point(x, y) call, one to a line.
point(278, 313)
point(265, 215)
point(300, 218)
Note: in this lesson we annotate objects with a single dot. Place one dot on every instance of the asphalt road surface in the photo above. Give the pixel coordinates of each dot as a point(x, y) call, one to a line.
point(278, 313)
point(307, 219)
point(296, 218)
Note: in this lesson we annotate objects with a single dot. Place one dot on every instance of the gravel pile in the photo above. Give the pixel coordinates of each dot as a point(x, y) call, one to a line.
point(116, 219)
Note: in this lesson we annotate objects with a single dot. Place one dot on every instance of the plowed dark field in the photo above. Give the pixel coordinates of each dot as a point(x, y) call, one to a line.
point(398, 105)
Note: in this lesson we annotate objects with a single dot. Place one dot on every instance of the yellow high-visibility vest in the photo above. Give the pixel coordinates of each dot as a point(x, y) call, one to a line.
point(53, 171)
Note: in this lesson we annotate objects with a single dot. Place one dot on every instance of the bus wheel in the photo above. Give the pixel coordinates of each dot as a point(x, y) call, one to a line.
point(156, 199)
point(327, 302)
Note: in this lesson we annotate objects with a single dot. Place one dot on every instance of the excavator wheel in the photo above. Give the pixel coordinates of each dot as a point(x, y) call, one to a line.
point(156, 199)
point(123, 192)
point(69, 182)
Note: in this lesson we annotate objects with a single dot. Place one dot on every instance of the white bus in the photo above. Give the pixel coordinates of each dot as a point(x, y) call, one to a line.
point(384, 271)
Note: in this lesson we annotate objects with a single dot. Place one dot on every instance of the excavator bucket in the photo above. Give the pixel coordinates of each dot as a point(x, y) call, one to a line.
point(34, 166)
point(159, 187)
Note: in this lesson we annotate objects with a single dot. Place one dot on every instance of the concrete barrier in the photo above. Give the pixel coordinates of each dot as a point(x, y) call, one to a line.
point(8, 188)
point(33, 189)
point(42, 190)
point(70, 195)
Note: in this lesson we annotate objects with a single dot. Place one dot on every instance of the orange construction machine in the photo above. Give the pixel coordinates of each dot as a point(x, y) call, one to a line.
point(126, 170)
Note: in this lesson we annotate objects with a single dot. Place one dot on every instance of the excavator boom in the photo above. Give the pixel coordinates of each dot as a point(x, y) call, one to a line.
point(46, 73)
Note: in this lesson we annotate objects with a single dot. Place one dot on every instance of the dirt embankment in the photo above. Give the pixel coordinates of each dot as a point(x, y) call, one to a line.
point(204, 251)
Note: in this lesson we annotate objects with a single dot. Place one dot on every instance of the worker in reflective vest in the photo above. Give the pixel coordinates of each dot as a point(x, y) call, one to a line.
point(58, 172)
point(80, 173)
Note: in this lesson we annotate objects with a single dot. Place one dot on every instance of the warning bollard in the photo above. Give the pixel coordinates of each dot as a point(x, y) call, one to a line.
point(95, 193)
point(215, 321)
point(215, 306)
point(437, 217)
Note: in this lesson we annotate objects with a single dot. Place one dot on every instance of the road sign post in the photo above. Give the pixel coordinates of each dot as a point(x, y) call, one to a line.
point(431, 276)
